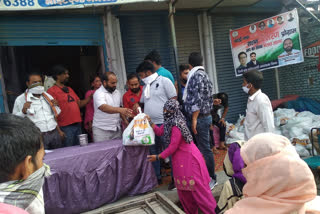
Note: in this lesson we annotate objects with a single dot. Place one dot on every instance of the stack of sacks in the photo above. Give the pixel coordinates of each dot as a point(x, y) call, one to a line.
point(294, 125)
point(235, 132)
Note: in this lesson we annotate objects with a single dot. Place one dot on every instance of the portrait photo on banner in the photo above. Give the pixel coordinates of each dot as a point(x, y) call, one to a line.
point(265, 44)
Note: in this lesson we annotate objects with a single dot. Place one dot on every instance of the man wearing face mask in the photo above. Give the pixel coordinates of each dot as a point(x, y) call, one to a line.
point(133, 95)
point(41, 109)
point(69, 119)
point(107, 110)
point(259, 117)
point(156, 92)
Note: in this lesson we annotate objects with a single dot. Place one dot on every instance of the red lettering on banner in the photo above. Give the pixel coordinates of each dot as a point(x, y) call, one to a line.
point(267, 44)
point(272, 36)
point(277, 42)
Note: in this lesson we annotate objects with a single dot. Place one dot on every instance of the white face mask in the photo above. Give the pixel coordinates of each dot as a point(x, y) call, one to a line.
point(150, 79)
point(37, 90)
point(245, 89)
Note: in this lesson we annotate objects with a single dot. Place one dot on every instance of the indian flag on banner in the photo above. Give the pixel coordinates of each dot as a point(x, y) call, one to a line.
point(266, 44)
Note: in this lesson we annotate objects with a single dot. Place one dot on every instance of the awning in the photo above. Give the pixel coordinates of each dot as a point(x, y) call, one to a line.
point(22, 5)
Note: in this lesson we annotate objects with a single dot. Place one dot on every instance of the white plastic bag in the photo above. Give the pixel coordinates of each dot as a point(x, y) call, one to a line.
point(139, 132)
point(236, 135)
point(302, 151)
point(283, 112)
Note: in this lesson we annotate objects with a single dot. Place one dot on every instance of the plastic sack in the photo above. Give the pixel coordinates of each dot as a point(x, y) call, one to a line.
point(282, 115)
point(304, 123)
point(236, 135)
point(277, 131)
point(283, 112)
point(139, 132)
point(241, 117)
point(302, 151)
point(306, 114)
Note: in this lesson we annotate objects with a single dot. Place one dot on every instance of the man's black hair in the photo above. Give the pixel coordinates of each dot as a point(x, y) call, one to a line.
point(132, 76)
point(154, 56)
point(19, 138)
point(33, 73)
point(254, 77)
point(105, 76)
point(183, 67)
point(145, 66)
point(93, 78)
point(241, 54)
point(287, 39)
point(253, 53)
point(224, 98)
point(57, 70)
point(195, 59)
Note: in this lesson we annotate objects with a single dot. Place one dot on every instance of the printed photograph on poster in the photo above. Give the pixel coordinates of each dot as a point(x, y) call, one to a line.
point(269, 43)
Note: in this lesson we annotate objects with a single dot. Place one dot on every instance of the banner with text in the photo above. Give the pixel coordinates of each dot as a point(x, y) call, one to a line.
point(13, 5)
point(270, 43)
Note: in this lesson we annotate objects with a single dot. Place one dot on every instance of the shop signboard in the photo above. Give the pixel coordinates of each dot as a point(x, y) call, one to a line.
point(16, 5)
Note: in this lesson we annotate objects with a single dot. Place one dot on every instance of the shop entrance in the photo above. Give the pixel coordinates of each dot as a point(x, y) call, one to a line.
point(16, 62)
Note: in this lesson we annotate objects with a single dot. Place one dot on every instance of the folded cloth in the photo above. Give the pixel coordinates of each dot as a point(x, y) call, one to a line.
point(26, 194)
point(148, 80)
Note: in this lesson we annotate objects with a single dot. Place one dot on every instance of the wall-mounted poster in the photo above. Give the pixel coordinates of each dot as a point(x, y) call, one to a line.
point(269, 43)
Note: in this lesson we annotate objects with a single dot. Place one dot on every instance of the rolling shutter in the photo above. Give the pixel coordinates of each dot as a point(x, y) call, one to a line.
point(187, 34)
point(42, 30)
point(140, 35)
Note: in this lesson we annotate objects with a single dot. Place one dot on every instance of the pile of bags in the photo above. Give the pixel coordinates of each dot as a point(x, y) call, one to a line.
point(296, 126)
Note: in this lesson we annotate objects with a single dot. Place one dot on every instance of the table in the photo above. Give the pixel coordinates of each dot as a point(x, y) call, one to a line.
point(84, 178)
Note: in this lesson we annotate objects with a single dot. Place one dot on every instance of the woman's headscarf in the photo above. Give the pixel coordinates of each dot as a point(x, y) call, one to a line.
point(278, 181)
point(174, 117)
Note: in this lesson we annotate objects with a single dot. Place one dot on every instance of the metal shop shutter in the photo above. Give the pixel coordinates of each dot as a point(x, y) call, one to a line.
point(1, 100)
point(51, 30)
point(226, 77)
point(141, 34)
point(187, 33)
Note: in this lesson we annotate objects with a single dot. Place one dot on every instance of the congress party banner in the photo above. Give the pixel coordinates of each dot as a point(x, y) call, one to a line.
point(269, 43)
point(14, 5)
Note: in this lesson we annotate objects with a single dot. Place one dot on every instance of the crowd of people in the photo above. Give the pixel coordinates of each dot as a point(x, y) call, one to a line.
point(184, 119)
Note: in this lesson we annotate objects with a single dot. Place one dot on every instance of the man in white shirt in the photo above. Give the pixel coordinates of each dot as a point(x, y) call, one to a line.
point(156, 92)
point(41, 109)
point(107, 111)
point(259, 116)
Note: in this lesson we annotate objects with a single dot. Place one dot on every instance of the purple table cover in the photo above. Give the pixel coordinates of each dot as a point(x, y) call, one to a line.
point(84, 178)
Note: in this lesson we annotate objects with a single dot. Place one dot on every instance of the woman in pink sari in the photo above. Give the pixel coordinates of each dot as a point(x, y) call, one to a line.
point(189, 168)
point(9, 209)
point(95, 84)
point(278, 180)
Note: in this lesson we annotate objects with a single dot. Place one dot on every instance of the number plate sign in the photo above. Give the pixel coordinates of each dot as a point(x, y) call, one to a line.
point(15, 5)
